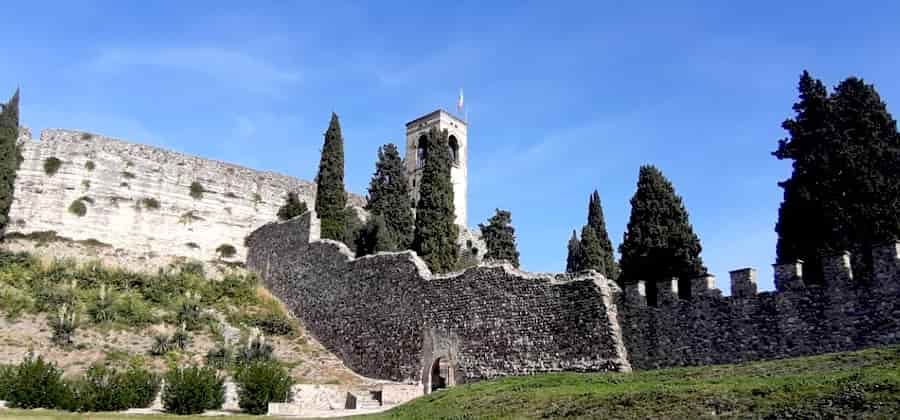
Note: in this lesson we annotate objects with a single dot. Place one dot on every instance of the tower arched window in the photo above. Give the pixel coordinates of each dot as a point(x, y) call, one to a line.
point(420, 152)
point(454, 150)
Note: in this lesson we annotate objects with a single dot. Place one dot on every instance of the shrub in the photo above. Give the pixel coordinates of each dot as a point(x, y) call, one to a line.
point(124, 184)
point(63, 326)
point(161, 345)
point(189, 217)
point(51, 165)
point(86, 184)
point(226, 251)
point(219, 357)
point(86, 136)
point(102, 309)
point(14, 301)
point(192, 245)
point(197, 190)
point(261, 383)
point(7, 380)
point(149, 203)
point(89, 165)
point(181, 339)
point(255, 350)
point(131, 308)
point(292, 207)
point(128, 175)
point(36, 384)
point(78, 208)
point(274, 324)
point(189, 313)
point(230, 194)
point(193, 390)
point(105, 389)
point(257, 198)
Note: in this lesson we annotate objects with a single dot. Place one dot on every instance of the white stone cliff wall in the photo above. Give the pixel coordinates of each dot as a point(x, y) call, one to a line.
point(237, 200)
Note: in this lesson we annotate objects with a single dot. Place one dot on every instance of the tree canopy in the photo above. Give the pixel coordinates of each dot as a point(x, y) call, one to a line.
point(500, 238)
point(436, 232)
point(331, 198)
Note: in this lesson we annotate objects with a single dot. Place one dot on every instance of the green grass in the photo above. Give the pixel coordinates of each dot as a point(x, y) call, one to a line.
point(863, 384)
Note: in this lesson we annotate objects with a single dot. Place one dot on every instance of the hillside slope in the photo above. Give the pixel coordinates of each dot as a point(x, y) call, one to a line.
point(862, 384)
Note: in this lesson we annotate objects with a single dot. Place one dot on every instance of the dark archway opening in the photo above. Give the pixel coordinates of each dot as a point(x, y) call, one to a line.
point(440, 374)
point(454, 150)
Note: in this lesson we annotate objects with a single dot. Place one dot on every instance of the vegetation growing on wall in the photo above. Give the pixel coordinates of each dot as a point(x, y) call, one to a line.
point(226, 251)
point(89, 165)
point(51, 165)
point(78, 208)
point(292, 207)
point(128, 175)
point(197, 190)
point(149, 203)
point(500, 238)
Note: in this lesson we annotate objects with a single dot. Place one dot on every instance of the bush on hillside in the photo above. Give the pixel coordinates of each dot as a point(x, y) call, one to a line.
point(106, 389)
point(35, 383)
point(193, 390)
point(261, 383)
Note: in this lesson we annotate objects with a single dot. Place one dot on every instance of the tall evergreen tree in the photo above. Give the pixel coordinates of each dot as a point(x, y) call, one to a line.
point(659, 243)
point(500, 238)
point(9, 155)
point(574, 257)
point(375, 236)
point(591, 250)
point(389, 194)
point(842, 193)
point(601, 256)
point(436, 233)
point(331, 199)
point(803, 229)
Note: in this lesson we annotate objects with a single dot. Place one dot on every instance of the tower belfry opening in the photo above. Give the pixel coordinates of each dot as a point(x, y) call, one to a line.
point(457, 129)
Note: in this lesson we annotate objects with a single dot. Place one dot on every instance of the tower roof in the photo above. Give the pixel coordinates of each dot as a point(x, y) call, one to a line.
point(438, 111)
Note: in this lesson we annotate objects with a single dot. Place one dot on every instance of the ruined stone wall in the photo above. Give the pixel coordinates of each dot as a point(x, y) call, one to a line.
point(118, 177)
point(845, 313)
point(388, 317)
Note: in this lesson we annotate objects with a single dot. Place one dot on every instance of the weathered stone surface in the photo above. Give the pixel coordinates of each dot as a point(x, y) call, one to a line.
point(236, 201)
point(388, 317)
point(797, 320)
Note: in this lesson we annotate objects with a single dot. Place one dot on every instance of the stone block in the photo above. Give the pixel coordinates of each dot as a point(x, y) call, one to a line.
point(285, 409)
point(743, 283)
point(704, 286)
point(836, 271)
point(788, 276)
point(667, 291)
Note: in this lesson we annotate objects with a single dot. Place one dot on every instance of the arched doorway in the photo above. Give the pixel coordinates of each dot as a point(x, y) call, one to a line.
point(440, 375)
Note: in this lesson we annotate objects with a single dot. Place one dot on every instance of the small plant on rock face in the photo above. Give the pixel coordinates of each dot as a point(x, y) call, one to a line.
point(197, 190)
point(181, 339)
point(89, 165)
point(128, 175)
point(149, 203)
point(102, 310)
point(226, 251)
point(63, 326)
point(86, 184)
point(230, 195)
point(51, 165)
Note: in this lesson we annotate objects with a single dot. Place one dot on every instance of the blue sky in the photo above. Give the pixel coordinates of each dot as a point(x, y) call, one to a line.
point(563, 97)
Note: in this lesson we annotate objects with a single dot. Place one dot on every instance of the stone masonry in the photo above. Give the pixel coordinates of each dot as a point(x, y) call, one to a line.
point(114, 178)
point(386, 316)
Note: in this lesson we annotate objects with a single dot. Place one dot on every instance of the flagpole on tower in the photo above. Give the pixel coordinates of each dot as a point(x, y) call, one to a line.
point(460, 105)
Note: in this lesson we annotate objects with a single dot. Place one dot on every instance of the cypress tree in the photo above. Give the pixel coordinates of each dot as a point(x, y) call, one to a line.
point(500, 238)
point(375, 236)
point(9, 155)
point(591, 250)
point(436, 233)
point(292, 207)
point(659, 243)
point(601, 256)
point(389, 196)
point(331, 199)
point(842, 193)
point(574, 257)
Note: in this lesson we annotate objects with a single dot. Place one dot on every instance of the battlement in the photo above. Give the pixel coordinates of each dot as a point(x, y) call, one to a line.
point(837, 277)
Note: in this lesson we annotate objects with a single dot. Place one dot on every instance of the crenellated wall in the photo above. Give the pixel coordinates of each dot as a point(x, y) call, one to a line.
point(115, 176)
point(844, 313)
point(388, 317)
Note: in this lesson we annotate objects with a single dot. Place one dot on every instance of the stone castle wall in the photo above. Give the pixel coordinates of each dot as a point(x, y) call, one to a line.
point(237, 200)
point(388, 317)
point(703, 327)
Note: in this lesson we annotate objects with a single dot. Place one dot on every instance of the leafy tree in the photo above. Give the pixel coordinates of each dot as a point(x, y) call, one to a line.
point(842, 193)
point(659, 243)
point(436, 232)
point(389, 197)
point(292, 207)
point(331, 199)
point(260, 383)
point(500, 238)
point(574, 257)
point(9, 155)
point(375, 236)
point(599, 257)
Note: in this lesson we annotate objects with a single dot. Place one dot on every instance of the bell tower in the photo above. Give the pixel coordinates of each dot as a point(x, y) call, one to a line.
point(457, 130)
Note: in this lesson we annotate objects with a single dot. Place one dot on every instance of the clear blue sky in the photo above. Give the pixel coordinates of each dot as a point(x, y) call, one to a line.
point(563, 97)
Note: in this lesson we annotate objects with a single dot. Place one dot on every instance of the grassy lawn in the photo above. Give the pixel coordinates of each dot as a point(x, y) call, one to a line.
point(863, 384)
